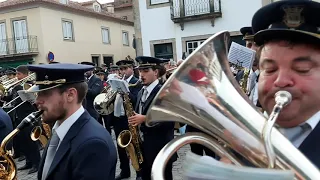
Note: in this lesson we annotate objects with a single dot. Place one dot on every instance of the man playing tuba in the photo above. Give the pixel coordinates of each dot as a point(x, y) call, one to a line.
point(289, 59)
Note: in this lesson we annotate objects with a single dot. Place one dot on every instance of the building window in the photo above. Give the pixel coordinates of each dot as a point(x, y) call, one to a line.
point(125, 38)
point(105, 35)
point(96, 8)
point(95, 59)
point(154, 2)
point(67, 29)
point(237, 39)
point(64, 1)
point(163, 51)
point(193, 45)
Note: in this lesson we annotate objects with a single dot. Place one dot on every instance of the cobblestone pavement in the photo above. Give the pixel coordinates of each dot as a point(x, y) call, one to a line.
point(177, 170)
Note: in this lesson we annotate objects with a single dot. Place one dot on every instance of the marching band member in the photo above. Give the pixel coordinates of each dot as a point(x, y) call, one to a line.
point(252, 86)
point(79, 148)
point(120, 122)
point(248, 37)
point(5, 127)
point(289, 60)
point(94, 88)
point(22, 143)
point(101, 74)
point(114, 69)
point(11, 73)
point(103, 118)
point(154, 138)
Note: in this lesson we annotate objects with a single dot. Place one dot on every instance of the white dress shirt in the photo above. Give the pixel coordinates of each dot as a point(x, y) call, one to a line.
point(151, 87)
point(129, 78)
point(90, 77)
point(313, 121)
point(254, 94)
point(62, 129)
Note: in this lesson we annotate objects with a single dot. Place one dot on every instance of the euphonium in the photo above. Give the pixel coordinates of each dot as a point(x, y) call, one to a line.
point(104, 102)
point(130, 139)
point(203, 93)
point(8, 169)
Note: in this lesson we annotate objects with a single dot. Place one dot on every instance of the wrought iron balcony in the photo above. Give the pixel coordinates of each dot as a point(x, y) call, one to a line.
point(18, 46)
point(190, 10)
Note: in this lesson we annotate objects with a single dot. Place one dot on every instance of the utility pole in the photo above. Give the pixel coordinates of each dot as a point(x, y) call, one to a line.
point(137, 28)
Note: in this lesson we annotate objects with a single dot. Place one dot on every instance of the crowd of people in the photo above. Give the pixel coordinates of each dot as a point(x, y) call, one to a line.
point(285, 36)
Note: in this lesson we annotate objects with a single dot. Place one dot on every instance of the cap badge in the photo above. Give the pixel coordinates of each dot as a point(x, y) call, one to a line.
point(293, 17)
point(46, 77)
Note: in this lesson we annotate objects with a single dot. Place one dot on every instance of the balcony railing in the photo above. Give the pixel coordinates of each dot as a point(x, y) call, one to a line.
point(188, 10)
point(19, 46)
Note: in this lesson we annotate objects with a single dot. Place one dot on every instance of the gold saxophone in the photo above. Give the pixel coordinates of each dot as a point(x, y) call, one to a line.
point(244, 81)
point(130, 139)
point(8, 168)
point(41, 133)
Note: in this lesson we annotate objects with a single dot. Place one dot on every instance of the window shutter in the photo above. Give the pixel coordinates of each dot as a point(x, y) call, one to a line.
point(105, 35)
point(64, 28)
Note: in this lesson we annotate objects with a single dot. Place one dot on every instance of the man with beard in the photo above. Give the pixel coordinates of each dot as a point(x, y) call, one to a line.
point(289, 60)
point(156, 137)
point(79, 148)
point(94, 88)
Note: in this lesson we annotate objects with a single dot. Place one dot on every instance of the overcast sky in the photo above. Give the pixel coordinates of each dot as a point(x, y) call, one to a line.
point(101, 1)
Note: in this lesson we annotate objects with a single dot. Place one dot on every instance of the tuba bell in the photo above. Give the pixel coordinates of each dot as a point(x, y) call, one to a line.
point(104, 102)
point(203, 93)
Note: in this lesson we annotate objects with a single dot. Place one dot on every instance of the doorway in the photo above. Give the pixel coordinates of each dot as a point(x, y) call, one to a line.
point(108, 60)
point(95, 60)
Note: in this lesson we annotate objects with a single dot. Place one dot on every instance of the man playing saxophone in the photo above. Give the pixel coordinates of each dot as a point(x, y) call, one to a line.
point(289, 59)
point(120, 122)
point(22, 143)
point(79, 148)
point(154, 138)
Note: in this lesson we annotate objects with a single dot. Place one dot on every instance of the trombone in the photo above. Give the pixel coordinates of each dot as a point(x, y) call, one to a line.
point(25, 97)
point(6, 88)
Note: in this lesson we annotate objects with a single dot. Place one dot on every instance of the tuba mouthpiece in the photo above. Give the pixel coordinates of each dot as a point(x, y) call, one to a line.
point(283, 97)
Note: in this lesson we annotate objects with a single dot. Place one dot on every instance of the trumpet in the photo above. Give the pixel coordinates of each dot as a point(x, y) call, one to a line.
point(216, 105)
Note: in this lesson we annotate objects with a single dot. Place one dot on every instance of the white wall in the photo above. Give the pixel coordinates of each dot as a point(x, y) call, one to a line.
point(156, 23)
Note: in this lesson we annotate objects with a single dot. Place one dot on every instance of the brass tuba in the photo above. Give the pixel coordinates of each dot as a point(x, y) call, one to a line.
point(8, 169)
point(203, 93)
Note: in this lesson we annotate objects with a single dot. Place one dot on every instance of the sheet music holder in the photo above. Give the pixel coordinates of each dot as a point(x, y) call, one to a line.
point(119, 85)
point(241, 55)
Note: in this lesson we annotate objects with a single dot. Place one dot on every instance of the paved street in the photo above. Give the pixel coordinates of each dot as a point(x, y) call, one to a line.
point(177, 171)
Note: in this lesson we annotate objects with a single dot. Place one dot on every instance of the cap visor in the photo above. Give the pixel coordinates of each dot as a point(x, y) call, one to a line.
point(144, 67)
point(285, 34)
point(36, 88)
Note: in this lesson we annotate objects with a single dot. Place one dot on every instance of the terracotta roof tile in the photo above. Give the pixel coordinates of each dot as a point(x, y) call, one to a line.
point(124, 5)
point(71, 6)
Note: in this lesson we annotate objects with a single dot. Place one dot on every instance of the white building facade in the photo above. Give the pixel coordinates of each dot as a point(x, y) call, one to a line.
point(174, 28)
